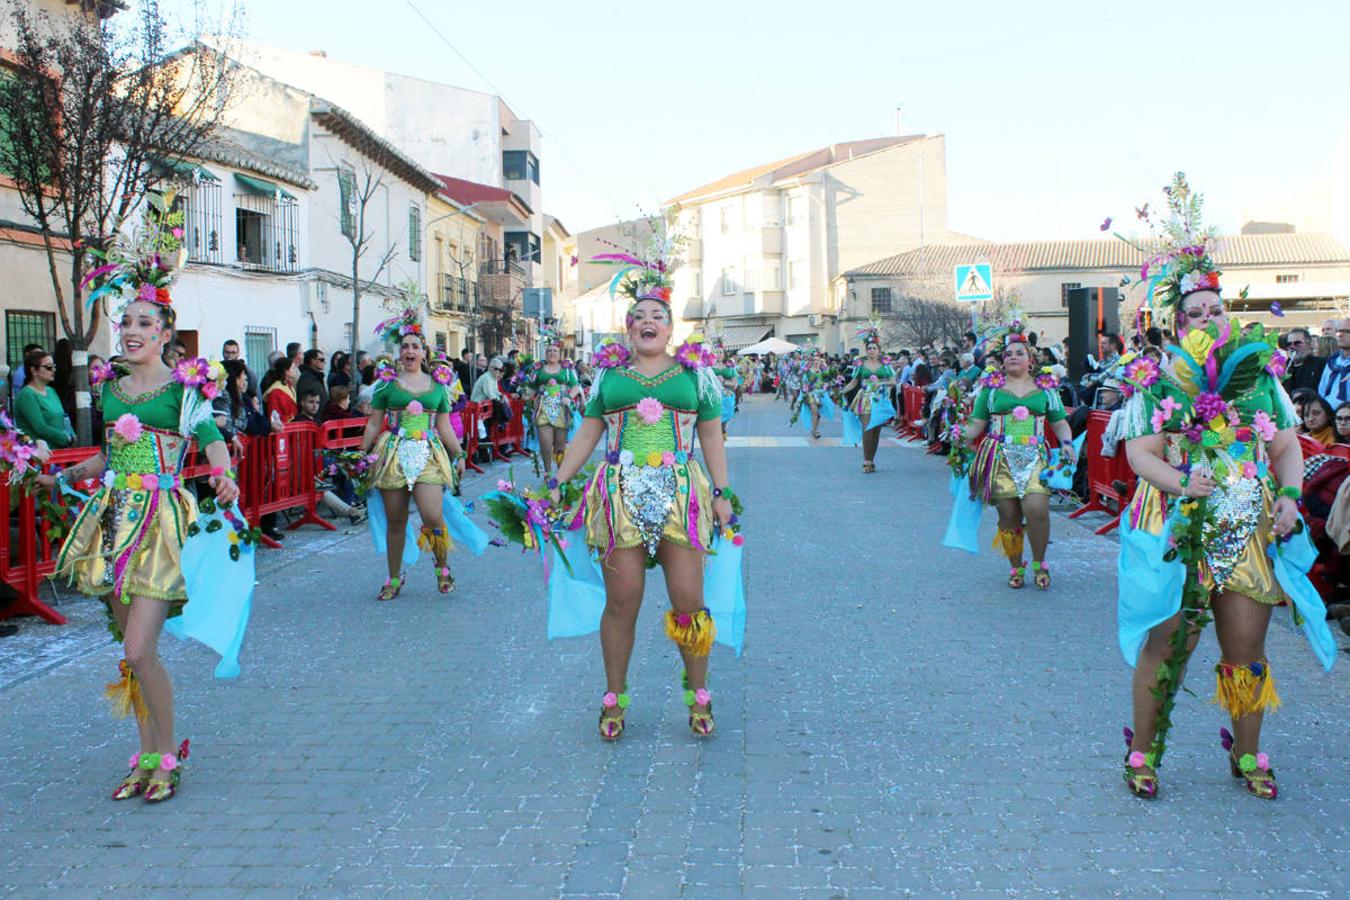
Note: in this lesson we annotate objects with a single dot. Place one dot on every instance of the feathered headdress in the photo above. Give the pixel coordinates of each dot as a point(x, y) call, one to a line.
point(994, 336)
point(645, 263)
point(140, 264)
point(870, 333)
point(551, 336)
point(1179, 259)
point(407, 318)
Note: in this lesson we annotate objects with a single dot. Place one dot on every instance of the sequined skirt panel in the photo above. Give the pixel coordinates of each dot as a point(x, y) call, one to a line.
point(1235, 557)
point(640, 506)
point(554, 411)
point(1007, 471)
point(403, 463)
point(142, 531)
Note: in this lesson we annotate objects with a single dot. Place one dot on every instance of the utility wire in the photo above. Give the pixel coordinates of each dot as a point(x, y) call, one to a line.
point(594, 185)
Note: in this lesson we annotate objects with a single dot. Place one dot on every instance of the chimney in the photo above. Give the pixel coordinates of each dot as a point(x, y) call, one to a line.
point(899, 121)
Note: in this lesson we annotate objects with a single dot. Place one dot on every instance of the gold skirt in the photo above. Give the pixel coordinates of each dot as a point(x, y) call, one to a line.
point(1252, 576)
point(990, 470)
point(400, 458)
point(140, 533)
point(553, 413)
point(611, 519)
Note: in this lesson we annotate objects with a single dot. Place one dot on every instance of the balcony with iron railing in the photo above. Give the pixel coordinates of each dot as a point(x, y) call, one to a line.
point(457, 294)
point(501, 283)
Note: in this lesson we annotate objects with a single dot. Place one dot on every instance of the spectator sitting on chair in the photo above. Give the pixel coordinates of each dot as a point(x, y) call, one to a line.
point(486, 387)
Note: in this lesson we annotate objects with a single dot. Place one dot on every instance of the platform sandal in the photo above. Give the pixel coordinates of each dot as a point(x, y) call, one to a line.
point(135, 782)
point(701, 722)
point(390, 589)
point(1040, 575)
point(1140, 776)
point(1253, 768)
point(445, 582)
point(612, 709)
point(168, 765)
point(1017, 577)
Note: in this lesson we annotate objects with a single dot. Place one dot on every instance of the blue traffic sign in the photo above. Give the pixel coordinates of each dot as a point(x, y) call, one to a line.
point(974, 283)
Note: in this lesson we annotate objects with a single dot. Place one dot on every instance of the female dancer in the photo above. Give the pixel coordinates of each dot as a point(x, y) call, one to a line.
point(874, 379)
point(1213, 529)
point(730, 378)
point(556, 388)
point(127, 541)
point(1014, 407)
point(816, 382)
point(648, 501)
point(417, 453)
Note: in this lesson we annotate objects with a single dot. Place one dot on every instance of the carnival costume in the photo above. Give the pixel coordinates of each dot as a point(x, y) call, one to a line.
point(409, 452)
point(1218, 403)
point(648, 488)
point(554, 390)
point(142, 533)
point(1011, 458)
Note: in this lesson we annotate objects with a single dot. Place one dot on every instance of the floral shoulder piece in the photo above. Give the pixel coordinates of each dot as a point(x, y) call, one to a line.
point(993, 379)
point(610, 355)
point(695, 353)
point(201, 375)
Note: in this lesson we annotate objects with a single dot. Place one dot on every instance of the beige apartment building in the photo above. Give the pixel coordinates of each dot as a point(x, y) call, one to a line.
point(1306, 274)
point(764, 245)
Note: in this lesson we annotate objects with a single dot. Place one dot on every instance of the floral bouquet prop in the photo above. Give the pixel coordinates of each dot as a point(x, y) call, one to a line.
point(20, 468)
point(354, 464)
point(531, 519)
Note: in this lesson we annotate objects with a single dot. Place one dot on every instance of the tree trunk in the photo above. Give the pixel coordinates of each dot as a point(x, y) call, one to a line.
point(356, 308)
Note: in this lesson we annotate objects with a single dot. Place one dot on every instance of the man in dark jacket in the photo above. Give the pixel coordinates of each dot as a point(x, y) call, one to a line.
point(1305, 368)
point(311, 377)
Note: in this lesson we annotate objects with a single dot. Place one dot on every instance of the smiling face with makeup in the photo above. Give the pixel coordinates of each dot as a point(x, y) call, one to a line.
point(649, 327)
point(411, 352)
point(1016, 359)
point(144, 331)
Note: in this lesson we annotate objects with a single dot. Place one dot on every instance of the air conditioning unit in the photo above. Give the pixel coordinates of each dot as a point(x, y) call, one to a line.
point(815, 320)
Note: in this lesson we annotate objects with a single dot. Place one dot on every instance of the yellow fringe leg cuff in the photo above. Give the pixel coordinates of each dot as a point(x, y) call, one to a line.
point(1009, 543)
point(694, 632)
point(1245, 689)
point(436, 540)
point(125, 694)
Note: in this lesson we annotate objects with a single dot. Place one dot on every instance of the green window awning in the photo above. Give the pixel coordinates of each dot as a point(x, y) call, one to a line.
point(183, 169)
point(262, 187)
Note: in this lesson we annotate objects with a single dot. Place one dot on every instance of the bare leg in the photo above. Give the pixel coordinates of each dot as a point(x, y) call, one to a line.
point(683, 568)
point(1240, 624)
point(1009, 522)
point(559, 442)
point(871, 439)
point(396, 513)
point(1036, 508)
point(121, 612)
point(545, 446)
point(1157, 648)
point(625, 577)
point(144, 624)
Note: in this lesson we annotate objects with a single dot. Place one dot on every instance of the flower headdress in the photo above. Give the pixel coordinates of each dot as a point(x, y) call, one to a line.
point(140, 264)
point(1179, 259)
point(407, 318)
point(997, 335)
point(551, 336)
point(870, 333)
point(645, 264)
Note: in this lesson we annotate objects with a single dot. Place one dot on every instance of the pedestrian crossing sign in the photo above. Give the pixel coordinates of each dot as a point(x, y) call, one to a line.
point(974, 283)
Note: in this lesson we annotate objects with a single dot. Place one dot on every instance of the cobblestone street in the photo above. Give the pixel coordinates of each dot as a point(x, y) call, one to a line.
point(900, 722)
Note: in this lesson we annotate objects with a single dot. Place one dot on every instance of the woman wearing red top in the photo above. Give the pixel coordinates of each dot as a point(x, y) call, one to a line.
point(278, 387)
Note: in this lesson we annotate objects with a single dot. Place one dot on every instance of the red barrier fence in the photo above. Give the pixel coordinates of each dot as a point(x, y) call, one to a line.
point(278, 472)
point(911, 407)
point(1110, 478)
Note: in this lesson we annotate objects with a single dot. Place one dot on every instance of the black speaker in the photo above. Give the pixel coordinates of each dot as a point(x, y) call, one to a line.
point(1092, 313)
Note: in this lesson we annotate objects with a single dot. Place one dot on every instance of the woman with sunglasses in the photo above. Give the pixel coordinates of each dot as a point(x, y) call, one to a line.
point(37, 409)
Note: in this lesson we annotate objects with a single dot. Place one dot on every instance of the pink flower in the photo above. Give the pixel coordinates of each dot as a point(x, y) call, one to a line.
point(702, 697)
point(650, 409)
point(100, 372)
point(415, 408)
point(668, 459)
point(1163, 413)
point(1264, 426)
point(210, 390)
point(504, 485)
point(610, 356)
point(610, 700)
point(147, 293)
point(168, 762)
point(1021, 413)
point(442, 374)
point(1262, 761)
point(1138, 760)
point(1144, 371)
point(684, 620)
point(192, 372)
point(1249, 469)
point(128, 428)
point(738, 540)
point(1278, 363)
point(386, 374)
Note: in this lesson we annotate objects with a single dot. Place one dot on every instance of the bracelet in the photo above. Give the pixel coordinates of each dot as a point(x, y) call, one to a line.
point(717, 491)
point(1184, 482)
point(217, 471)
point(1290, 491)
point(552, 484)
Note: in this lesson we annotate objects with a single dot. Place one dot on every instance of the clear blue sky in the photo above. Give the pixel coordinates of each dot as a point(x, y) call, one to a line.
point(1056, 113)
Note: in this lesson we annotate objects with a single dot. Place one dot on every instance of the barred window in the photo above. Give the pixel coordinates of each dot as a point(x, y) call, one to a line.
point(24, 327)
point(881, 300)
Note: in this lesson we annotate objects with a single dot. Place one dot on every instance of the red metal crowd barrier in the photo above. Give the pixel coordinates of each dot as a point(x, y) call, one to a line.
point(471, 415)
point(278, 472)
point(911, 405)
point(1104, 473)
